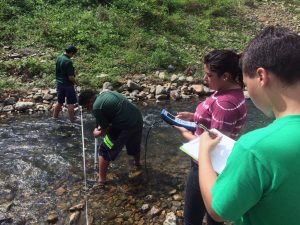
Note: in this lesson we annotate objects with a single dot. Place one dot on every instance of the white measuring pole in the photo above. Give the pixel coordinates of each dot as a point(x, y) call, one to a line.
point(84, 168)
point(96, 156)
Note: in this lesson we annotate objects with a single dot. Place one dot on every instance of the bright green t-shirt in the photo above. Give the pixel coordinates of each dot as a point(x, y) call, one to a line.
point(113, 109)
point(260, 184)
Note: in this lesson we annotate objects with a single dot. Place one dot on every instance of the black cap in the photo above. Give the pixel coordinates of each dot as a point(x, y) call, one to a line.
point(71, 49)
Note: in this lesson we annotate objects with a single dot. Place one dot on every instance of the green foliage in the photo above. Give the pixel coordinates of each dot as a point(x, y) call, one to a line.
point(117, 37)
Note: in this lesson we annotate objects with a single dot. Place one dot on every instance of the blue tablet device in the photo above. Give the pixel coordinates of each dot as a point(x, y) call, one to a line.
point(172, 120)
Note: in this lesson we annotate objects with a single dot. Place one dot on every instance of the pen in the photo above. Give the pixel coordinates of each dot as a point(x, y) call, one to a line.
point(212, 134)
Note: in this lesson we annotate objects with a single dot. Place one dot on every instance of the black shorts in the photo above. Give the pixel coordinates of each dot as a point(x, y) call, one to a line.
point(113, 142)
point(66, 92)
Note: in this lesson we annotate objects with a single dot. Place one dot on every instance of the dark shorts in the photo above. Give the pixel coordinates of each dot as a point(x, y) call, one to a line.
point(113, 142)
point(66, 92)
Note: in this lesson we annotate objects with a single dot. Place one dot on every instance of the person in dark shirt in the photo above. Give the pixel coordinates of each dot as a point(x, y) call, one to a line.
point(65, 80)
point(120, 124)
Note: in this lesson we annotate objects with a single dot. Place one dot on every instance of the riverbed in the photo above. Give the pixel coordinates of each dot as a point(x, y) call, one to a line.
point(41, 168)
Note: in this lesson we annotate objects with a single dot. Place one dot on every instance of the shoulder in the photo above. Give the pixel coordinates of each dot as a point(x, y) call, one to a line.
point(230, 100)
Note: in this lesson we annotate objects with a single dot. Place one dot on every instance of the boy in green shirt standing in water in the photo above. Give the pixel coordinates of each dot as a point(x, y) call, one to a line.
point(120, 124)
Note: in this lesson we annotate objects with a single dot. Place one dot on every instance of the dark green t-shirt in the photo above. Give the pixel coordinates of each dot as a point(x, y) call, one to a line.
point(113, 109)
point(64, 69)
point(260, 184)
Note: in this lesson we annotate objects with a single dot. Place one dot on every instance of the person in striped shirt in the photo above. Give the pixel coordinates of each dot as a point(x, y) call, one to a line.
point(224, 110)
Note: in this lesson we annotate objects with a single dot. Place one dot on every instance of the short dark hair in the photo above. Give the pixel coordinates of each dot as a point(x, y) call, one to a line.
point(71, 49)
point(85, 96)
point(276, 49)
point(222, 61)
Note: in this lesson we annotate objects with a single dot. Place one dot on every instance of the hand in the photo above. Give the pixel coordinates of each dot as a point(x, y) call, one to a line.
point(188, 135)
point(185, 116)
point(208, 143)
point(97, 132)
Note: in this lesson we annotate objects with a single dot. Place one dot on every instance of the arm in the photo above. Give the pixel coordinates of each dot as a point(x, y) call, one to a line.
point(73, 80)
point(207, 175)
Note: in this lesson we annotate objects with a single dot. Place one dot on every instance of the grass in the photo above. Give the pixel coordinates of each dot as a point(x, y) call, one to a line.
point(115, 37)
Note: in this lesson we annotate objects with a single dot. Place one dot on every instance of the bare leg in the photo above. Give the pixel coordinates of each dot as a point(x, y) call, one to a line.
point(56, 110)
point(103, 166)
point(71, 112)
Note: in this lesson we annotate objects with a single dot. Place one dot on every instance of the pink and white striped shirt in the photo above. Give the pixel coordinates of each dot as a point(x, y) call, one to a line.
point(224, 110)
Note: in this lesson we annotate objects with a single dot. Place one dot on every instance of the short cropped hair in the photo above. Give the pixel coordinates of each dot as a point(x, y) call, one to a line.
point(71, 49)
point(276, 49)
point(85, 96)
point(224, 61)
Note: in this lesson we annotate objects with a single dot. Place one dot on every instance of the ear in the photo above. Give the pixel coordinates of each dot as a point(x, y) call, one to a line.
point(226, 76)
point(262, 76)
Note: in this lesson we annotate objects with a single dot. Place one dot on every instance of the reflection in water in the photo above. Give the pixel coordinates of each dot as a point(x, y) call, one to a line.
point(38, 155)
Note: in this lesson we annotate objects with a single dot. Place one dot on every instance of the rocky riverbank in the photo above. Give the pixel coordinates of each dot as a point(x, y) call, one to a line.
point(137, 89)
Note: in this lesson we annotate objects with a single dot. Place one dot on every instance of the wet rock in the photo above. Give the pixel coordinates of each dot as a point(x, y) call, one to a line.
point(154, 211)
point(177, 197)
point(74, 218)
point(52, 218)
point(149, 198)
point(161, 97)
point(5, 219)
point(145, 208)
point(172, 192)
point(77, 207)
point(170, 219)
point(60, 191)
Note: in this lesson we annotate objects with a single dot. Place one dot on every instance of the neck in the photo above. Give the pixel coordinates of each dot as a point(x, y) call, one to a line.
point(229, 86)
point(286, 101)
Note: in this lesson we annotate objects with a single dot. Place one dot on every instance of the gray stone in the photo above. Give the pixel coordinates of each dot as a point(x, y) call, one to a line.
point(170, 219)
point(22, 106)
point(133, 86)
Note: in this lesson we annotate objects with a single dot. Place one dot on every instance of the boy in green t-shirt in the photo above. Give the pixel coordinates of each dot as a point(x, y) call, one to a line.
point(120, 124)
point(260, 183)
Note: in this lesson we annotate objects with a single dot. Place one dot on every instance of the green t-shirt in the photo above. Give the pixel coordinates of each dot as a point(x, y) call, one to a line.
point(260, 184)
point(112, 108)
point(64, 69)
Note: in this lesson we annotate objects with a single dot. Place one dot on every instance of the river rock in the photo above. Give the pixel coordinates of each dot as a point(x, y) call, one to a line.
point(74, 218)
point(77, 207)
point(145, 208)
point(22, 106)
point(60, 191)
point(52, 217)
point(107, 86)
point(154, 211)
point(133, 86)
point(9, 101)
point(174, 95)
point(48, 97)
point(7, 108)
point(170, 219)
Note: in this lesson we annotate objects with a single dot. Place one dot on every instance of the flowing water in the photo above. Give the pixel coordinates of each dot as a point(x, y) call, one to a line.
point(39, 155)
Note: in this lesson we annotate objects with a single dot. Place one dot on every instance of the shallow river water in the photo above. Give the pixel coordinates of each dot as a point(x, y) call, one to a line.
point(41, 170)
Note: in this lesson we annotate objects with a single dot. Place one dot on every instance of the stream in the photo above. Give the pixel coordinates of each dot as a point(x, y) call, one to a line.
point(41, 170)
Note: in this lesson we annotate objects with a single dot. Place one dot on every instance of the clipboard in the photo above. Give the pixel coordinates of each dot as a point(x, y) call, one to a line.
point(219, 155)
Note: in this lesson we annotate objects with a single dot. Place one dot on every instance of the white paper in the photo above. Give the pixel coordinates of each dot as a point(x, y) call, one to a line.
point(218, 156)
